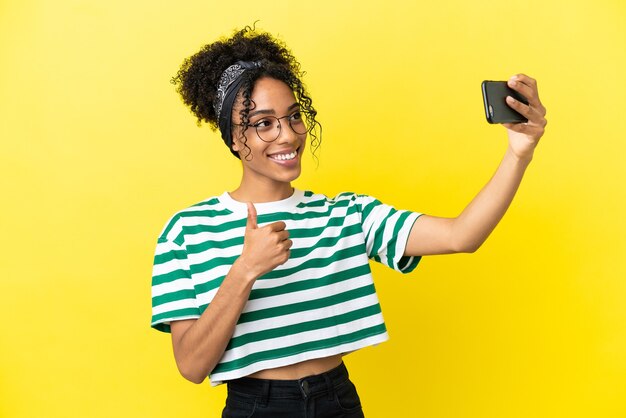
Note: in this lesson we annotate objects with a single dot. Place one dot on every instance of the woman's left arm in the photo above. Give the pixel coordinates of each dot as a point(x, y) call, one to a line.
point(466, 233)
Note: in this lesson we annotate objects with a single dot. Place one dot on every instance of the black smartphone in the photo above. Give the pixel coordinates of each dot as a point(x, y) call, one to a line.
point(496, 109)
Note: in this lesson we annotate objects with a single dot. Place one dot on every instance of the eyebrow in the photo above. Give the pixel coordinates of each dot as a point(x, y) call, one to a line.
point(271, 111)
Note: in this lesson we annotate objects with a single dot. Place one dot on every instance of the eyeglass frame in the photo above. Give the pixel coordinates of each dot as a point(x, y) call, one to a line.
point(280, 125)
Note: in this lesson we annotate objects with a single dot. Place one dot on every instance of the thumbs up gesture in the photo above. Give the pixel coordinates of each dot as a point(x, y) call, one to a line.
point(264, 248)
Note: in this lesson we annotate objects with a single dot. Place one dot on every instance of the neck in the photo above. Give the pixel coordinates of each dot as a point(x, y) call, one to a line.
point(261, 191)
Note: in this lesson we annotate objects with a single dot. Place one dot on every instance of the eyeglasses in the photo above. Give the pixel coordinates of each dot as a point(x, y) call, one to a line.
point(268, 129)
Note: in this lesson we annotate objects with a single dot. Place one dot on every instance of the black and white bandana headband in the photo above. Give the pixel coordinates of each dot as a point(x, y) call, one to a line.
point(227, 88)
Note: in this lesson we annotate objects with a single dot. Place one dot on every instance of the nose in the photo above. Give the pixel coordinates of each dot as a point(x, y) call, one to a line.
point(286, 134)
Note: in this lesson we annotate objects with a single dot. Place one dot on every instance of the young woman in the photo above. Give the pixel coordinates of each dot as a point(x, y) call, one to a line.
point(266, 287)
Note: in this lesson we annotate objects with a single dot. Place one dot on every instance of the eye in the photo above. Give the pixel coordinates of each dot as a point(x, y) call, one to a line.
point(296, 116)
point(263, 124)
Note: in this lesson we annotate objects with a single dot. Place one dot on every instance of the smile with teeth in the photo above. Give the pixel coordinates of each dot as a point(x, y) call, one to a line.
point(284, 157)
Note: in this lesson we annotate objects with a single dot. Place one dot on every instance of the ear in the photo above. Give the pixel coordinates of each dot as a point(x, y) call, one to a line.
point(237, 138)
point(236, 145)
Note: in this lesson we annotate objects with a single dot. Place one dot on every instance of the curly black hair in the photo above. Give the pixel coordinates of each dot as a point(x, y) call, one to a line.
point(198, 77)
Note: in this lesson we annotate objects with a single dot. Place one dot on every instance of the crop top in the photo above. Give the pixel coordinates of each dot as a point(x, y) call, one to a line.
point(321, 302)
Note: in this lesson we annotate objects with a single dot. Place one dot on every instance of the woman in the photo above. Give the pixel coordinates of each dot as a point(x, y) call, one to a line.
point(266, 287)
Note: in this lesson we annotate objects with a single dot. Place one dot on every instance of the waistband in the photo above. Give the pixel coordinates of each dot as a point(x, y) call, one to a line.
point(291, 389)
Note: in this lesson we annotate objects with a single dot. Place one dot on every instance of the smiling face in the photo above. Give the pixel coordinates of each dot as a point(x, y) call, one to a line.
point(270, 164)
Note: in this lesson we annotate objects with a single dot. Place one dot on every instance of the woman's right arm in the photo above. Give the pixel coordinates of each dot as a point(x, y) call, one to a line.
point(200, 343)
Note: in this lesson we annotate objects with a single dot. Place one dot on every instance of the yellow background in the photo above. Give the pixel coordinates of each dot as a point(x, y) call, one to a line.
point(98, 151)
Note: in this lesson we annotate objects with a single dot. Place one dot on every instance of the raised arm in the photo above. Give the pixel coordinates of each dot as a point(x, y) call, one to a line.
point(466, 233)
point(200, 343)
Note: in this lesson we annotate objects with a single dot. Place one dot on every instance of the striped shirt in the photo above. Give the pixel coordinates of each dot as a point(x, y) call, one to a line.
point(321, 302)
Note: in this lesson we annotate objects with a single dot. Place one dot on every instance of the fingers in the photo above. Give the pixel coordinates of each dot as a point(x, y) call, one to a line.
point(276, 230)
point(527, 86)
point(277, 226)
point(525, 80)
point(265, 247)
point(535, 116)
point(282, 235)
point(518, 106)
point(534, 111)
point(251, 222)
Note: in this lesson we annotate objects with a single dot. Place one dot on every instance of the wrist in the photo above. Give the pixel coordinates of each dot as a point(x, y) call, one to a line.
point(521, 161)
point(244, 269)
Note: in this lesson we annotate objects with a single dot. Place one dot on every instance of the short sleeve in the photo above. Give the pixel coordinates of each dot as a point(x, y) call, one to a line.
point(173, 293)
point(386, 232)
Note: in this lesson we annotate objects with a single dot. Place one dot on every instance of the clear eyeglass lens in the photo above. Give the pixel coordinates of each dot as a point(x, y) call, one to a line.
point(269, 128)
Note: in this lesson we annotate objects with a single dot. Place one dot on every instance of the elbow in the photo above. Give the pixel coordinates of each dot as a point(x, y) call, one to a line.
point(193, 377)
point(192, 374)
point(471, 249)
point(463, 239)
point(466, 246)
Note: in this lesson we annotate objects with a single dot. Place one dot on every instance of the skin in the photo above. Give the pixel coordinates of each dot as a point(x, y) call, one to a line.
point(466, 233)
point(200, 343)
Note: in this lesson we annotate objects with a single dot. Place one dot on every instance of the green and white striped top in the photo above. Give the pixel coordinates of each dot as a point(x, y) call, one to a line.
point(321, 302)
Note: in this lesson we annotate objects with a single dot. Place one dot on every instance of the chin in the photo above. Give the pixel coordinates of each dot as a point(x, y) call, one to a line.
point(289, 177)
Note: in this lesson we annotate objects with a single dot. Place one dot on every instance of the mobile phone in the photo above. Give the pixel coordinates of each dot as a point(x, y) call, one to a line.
point(496, 108)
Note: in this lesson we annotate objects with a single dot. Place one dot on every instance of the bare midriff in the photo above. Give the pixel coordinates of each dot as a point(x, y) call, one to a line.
point(300, 370)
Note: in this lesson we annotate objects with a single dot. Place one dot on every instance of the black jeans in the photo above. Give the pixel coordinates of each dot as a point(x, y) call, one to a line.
point(326, 395)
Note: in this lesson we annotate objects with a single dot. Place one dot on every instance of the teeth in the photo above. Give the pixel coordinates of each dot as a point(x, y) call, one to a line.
point(283, 157)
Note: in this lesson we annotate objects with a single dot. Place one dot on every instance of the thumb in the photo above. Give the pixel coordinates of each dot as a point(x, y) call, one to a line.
point(251, 222)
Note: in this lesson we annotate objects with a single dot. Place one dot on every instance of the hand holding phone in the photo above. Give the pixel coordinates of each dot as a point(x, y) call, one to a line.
point(496, 108)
